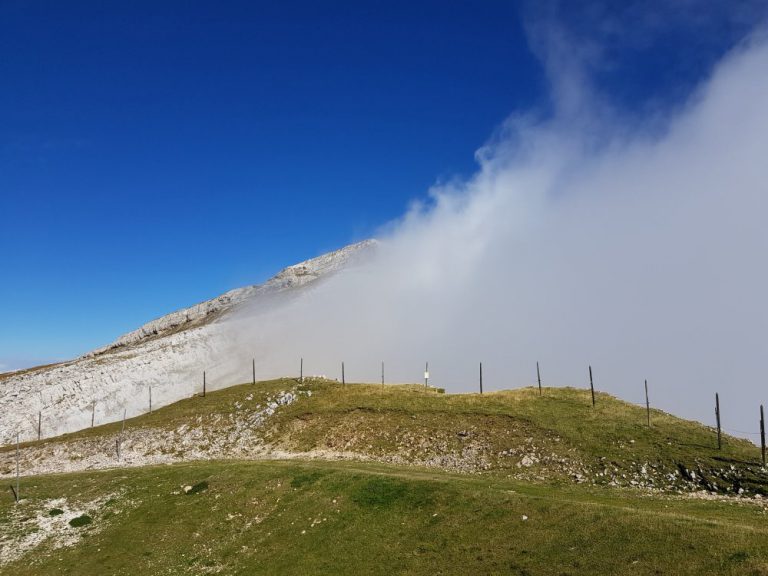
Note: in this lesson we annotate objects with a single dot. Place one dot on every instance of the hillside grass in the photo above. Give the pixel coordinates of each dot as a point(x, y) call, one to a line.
point(490, 433)
point(416, 517)
point(300, 518)
point(567, 412)
point(606, 430)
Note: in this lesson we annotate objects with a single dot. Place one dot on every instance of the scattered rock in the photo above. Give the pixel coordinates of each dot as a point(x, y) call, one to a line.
point(527, 461)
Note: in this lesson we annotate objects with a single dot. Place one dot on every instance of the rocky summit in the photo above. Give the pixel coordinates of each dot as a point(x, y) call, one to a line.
point(166, 355)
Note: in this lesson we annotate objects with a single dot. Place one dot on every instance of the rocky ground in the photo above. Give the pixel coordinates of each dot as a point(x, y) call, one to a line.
point(168, 355)
point(57, 522)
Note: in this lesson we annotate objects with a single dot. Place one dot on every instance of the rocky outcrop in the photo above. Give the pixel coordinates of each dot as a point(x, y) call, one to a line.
point(290, 277)
point(164, 358)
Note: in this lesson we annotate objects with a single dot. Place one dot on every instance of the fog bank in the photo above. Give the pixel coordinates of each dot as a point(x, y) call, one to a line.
point(580, 240)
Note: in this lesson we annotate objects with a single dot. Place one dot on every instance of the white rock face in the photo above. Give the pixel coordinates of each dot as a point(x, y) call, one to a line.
point(167, 355)
point(291, 277)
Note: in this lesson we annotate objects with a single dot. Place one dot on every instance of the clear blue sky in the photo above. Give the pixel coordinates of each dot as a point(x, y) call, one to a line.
point(156, 154)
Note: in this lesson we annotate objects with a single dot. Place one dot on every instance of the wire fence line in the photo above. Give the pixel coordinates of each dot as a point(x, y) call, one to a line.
point(741, 432)
point(38, 421)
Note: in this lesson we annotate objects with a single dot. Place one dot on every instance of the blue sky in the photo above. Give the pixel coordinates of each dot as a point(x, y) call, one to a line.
point(153, 155)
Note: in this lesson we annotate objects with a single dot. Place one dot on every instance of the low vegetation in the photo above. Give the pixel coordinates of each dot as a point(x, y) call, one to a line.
point(79, 521)
point(281, 517)
point(557, 437)
point(285, 477)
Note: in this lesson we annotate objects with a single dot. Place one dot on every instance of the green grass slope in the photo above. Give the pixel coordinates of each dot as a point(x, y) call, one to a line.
point(277, 517)
point(383, 480)
point(557, 437)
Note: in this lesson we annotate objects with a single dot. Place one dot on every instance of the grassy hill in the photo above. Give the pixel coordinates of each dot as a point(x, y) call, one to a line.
point(389, 479)
point(351, 518)
point(555, 437)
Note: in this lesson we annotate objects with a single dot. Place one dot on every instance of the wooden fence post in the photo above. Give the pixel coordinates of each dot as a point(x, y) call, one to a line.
point(382, 372)
point(481, 377)
point(538, 377)
point(426, 375)
point(17, 493)
point(203, 383)
point(301, 371)
point(591, 386)
point(647, 405)
point(254, 370)
point(717, 416)
point(119, 440)
point(150, 399)
point(762, 433)
point(93, 413)
point(343, 377)
point(39, 425)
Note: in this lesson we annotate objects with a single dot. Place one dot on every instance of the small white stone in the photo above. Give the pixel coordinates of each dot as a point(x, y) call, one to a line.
point(527, 461)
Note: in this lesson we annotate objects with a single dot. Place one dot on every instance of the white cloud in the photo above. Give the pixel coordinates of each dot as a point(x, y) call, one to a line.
point(644, 257)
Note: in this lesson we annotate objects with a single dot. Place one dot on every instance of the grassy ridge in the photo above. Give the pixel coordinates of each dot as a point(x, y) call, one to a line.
point(556, 437)
point(336, 518)
point(536, 500)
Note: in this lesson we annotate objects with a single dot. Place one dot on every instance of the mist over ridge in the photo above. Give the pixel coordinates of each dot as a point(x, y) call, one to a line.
point(580, 240)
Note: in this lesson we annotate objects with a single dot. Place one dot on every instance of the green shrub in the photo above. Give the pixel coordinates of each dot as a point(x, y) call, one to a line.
point(740, 556)
point(383, 492)
point(83, 520)
point(307, 479)
point(199, 487)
